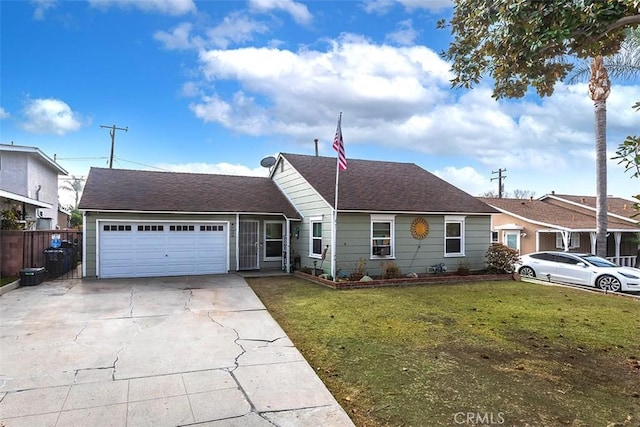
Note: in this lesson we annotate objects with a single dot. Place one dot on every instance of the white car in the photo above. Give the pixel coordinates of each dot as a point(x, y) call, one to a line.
point(579, 269)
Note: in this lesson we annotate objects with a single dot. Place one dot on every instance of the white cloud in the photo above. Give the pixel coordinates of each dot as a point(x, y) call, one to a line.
point(298, 11)
point(179, 38)
point(235, 28)
point(400, 98)
point(41, 7)
point(433, 5)
point(190, 90)
point(466, 178)
point(4, 114)
point(405, 35)
point(214, 168)
point(383, 6)
point(165, 7)
point(50, 116)
point(299, 85)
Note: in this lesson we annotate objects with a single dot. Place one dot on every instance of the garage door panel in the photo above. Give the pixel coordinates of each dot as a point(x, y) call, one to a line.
point(140, 253)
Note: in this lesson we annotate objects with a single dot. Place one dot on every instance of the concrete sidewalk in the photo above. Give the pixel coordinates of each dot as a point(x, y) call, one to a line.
point(198, 350)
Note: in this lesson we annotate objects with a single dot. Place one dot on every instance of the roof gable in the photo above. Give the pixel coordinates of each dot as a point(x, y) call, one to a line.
point(380, 186)
point(37, 153)
point(149, 191)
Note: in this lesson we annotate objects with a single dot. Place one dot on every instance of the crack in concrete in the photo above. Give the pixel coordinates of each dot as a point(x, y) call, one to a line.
point(81, 331)
point(235, 341)
point(187, 303)
point(266, 341)
point(77, 371)
point(133, 291)
point(124, 345)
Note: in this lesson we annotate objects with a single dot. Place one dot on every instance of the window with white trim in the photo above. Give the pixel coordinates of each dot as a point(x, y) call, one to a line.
point(273, 232)
point(494, 237)
point(315, 237)
point(382, 236)
point(453, 236)
point(574, 241)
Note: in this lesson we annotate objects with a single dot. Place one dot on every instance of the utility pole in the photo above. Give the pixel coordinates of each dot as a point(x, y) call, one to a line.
point(112, 132)
point(500, 178)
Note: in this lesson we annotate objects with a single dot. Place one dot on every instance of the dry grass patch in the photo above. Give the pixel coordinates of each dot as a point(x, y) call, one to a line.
point(514, 352)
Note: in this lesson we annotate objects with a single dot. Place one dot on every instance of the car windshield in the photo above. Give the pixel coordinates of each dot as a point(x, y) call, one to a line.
point(597, 261)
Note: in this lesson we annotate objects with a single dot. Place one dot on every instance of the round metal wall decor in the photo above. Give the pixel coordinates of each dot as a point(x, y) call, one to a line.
point(419, 228)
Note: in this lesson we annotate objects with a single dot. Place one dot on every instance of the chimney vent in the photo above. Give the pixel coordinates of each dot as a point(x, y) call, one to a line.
point(315, 141)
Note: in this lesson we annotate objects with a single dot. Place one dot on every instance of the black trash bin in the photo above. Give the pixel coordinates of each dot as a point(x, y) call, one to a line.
point(54, 261)
point(71, 252)
point(32, 276)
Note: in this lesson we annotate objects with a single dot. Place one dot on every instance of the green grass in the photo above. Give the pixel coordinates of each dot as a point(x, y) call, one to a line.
point(416, 356)
point(7, 280)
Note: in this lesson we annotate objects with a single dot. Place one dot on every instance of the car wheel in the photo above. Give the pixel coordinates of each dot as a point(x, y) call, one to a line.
point(609, 283)
point(526, 272)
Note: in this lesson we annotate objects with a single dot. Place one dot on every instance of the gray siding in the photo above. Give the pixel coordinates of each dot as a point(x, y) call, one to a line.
point(309, 204)
point(411, 255)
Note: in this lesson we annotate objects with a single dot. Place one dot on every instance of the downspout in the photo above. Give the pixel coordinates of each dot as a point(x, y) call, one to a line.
point(237, 231)
point(287, 244)
point(38, 192)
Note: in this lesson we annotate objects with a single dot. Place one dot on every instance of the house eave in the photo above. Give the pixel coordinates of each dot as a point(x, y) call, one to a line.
point(130, 211)
point(9, 195)
point(366, 211)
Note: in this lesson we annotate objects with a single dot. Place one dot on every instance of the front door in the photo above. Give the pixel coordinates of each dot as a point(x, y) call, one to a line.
point(248, 245)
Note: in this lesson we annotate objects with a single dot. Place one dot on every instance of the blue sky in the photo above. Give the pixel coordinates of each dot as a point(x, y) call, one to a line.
point(215, 86)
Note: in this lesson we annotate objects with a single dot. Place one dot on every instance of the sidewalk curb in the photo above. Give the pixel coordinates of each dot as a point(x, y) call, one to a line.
point(9, 287)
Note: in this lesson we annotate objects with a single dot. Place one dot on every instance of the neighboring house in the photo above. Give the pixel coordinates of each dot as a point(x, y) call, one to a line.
point(140, 223)
point(29, 185)
point(565, 223)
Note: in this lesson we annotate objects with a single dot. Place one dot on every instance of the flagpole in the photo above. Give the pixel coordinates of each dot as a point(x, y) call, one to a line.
point(334, 226)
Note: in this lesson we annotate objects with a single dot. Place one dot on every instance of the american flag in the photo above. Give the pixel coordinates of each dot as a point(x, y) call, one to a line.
point(338, 145)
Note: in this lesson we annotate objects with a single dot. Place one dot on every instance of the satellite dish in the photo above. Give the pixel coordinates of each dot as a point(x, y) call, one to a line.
point(267, 162)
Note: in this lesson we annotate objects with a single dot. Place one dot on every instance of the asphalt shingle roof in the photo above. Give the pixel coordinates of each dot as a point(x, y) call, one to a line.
point(615, 205)
point(148, 191)
point(382, 186)
point(554, 215)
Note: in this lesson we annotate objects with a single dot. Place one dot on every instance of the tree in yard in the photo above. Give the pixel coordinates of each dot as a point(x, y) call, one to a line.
point(523, 194)
point(623, 66)
point(528, 43)
point(76, 185)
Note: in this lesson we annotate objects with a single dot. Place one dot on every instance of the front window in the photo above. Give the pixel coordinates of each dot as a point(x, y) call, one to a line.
point(574, 241)
point(315, 239)
point(382, 236)
point(454, 236)
point(273, 232)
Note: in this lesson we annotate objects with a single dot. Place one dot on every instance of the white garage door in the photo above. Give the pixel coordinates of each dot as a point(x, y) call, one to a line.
point(144, 249)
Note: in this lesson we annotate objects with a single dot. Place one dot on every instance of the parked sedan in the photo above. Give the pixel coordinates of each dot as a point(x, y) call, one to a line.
point(579, 269)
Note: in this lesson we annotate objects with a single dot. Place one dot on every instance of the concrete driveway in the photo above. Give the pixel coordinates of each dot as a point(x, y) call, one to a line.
point(198, 350)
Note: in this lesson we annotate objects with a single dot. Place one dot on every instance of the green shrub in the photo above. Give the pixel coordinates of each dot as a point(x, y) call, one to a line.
point(501, 259)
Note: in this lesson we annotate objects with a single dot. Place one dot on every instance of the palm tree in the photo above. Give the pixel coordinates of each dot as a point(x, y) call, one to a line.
point(624, 65)
point(74, 184)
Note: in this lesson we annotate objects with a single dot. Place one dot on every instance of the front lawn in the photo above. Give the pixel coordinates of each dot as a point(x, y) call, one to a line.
point(508, 353)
